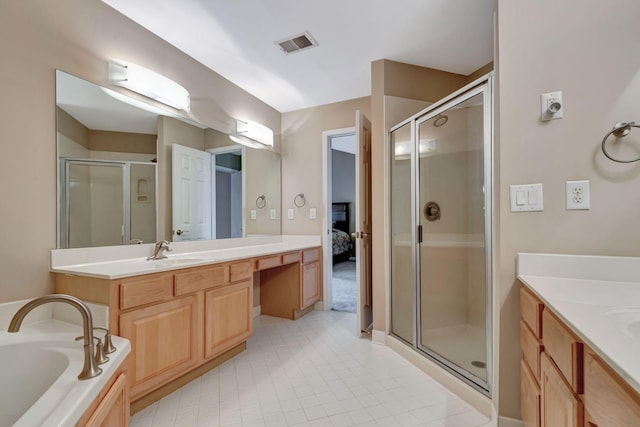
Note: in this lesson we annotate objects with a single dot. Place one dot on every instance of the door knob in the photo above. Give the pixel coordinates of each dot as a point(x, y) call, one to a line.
point(181, 232)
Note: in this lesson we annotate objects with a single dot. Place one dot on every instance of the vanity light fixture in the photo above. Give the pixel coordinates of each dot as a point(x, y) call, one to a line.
point(252, 134)
point(149, 83)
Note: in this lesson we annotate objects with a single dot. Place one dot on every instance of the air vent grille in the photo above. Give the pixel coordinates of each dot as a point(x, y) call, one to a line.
point(297, 43)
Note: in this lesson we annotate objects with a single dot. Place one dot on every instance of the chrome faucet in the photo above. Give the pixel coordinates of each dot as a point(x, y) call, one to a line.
point(90, 369)
point(158, 253)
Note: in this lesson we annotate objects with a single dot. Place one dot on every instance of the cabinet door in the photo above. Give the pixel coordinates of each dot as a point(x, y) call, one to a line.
point(311, 284)
point(608, 399)
point(560, 406)
point(163, 342)
point(529, 397)
point(113, 410)
point(228, 320)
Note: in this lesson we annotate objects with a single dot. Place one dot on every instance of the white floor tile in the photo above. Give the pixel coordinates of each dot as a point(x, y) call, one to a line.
point(311, 372)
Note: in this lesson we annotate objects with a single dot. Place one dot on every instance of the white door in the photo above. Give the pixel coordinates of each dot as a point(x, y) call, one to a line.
point(191, 194)
point(363, 223)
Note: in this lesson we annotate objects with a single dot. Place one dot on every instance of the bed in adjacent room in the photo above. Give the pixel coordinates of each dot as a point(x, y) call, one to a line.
point(340, 232)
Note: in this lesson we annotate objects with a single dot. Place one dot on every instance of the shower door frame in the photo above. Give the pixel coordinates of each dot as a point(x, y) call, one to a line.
point(482, 85)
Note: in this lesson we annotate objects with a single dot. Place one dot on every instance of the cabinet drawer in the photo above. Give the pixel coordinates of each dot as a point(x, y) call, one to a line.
point(531, 349)
point(531, 311)
point(310, 255)
point(240, 271)
point(268, 262)
point(529, 397)
point(564, 348)
point(199, 279)
point(144, 290)
point(608, 400)
point(290, 258)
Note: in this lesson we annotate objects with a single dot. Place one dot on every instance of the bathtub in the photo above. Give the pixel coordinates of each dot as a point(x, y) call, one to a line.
point(39, 367)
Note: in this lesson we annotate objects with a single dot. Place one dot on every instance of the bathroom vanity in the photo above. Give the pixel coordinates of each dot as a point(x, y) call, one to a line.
point(192, 311)
point(580, 340)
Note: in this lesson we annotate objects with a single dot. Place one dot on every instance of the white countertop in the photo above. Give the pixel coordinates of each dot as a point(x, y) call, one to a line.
point(115, 262)
point(597, 297)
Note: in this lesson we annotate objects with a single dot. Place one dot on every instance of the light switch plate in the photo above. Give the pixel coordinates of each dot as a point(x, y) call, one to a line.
point(254, 214)
point(313, 213)
point(526, 198)
point(273, 214)
point(289, 213)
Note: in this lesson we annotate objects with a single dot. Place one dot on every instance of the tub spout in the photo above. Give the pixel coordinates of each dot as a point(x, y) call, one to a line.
point(90, 368)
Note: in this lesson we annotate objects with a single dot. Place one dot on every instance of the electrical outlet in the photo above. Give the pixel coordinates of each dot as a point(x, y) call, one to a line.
point(273, 214)
point(313, 213)
point(578, 197)
point(254, 214)
point(289, 213)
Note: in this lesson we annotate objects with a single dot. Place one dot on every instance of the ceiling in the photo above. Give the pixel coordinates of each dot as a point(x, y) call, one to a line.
point(237, 40)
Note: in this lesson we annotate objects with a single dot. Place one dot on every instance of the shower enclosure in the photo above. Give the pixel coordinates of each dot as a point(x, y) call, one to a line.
point(106, 203)
point(441, 181)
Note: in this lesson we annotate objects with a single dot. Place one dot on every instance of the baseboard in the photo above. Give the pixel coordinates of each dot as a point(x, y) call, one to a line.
point(509, 422)
point(257, 310)
point(378, 337)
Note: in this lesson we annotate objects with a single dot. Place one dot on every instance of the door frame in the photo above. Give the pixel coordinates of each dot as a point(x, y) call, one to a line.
point(327, 247)
point(243, 165)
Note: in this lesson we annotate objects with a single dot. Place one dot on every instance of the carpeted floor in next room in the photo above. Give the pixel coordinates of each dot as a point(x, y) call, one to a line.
point(343, 286)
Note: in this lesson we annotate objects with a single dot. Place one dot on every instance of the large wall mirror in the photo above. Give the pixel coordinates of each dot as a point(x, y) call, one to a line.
point(120, 179)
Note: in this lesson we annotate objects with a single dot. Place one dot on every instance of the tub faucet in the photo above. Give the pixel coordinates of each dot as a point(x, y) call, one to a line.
point(158, 253)
point(90, 369)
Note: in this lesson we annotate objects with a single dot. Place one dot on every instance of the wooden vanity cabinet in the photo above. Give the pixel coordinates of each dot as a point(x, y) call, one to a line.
point(311, 284)
point(228, 317)
point(574, 387)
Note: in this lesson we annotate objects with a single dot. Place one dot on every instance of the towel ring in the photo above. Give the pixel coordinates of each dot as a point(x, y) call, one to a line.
point(261, 201)
point(620, 130)
point(299, 200)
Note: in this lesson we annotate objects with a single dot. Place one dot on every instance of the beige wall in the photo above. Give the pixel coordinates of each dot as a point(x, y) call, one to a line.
point(589, 51)
point(71, 128)
point(301, 152)
point(122, 142)
point(76, 36)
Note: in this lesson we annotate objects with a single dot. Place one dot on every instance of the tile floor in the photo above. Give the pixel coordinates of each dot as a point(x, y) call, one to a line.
point(311, 372)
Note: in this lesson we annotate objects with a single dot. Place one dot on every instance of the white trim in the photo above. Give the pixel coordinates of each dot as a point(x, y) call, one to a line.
point(378, 337)
point(327, 249)
point(509, 422)
point(474, 398)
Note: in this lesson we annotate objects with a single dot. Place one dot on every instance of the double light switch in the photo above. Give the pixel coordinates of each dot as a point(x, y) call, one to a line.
point(526, 198)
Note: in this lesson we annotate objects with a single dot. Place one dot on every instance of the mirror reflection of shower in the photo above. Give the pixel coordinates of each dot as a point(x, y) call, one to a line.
point(107, 203)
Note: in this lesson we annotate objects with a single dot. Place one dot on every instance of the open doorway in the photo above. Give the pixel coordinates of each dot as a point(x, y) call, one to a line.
point(340, 269)
point(228, 189)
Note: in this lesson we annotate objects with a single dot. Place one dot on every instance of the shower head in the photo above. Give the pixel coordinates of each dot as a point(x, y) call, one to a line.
point(440, 120)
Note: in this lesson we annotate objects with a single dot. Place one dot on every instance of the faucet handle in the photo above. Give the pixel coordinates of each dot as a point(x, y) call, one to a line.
point(108, 344)
point(100, 356)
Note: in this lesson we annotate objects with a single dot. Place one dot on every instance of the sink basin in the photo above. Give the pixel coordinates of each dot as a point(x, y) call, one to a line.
point(626, 319)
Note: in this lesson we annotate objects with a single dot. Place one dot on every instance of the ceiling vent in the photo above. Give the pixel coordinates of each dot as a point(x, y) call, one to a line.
point(297, 43)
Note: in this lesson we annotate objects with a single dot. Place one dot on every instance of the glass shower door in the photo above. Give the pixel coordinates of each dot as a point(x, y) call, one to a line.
point(402, 292)
point(451, 255)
